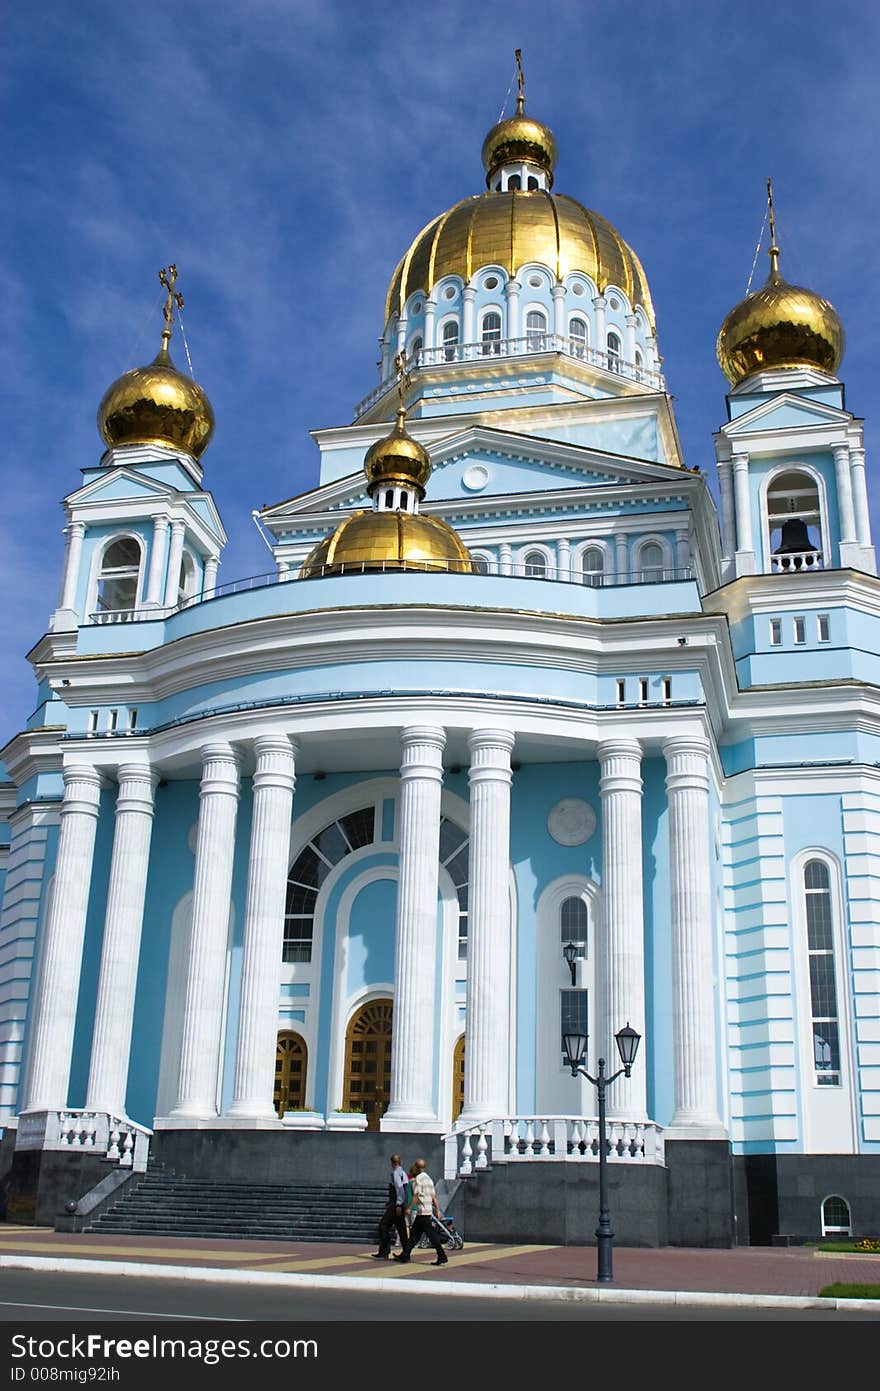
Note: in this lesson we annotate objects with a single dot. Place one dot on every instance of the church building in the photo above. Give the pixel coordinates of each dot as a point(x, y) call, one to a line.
point(520, 741)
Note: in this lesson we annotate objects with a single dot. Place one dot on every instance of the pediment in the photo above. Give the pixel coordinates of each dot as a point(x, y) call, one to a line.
point(120, 484)
point(785, 412)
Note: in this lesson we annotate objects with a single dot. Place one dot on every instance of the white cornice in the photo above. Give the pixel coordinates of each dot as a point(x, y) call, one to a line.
point(766, 594)
point(157, 501)
point(33, 751)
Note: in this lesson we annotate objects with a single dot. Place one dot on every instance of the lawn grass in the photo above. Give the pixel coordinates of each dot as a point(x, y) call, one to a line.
point(855, 1248)
point(842, 1291)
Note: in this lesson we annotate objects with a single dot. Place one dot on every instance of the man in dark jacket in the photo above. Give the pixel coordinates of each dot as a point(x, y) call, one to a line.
point(394, 1216)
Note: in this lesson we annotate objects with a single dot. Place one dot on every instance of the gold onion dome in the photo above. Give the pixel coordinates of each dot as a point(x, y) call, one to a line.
point(520, 139)
point(397, 459)
point(158, 404)
point(779, 326)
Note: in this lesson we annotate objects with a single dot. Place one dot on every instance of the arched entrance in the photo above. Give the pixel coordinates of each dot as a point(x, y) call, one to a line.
point(291, 1062)
point(367, 1082)
point(458, 1079)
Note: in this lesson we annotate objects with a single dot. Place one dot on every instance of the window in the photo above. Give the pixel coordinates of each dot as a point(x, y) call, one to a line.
point(415, 348)
point(573, 1017)
point(577, 333)
point(309, 871)
point(533, 183)
point(639, 364)
point(404, 502)
point(450, 340)
point(643, 690)
point(794, 521)
point(621, 692)
point(481, 566)
point(389, 499)
point(490, 333)
point(651, 562)
point(667, 690)
point(613, 353)
point(823, 624)
point(113, 722)
point(574, 921)
point(593, 566)
point(823, 991)
point(775, 632)
point(118, 576)
point(187, 580)
point(800, 630)
point(454, 857)
point(132, 720)
point(514, 182)
point(535, 565)
point(836, 1216)
point(93, 722)
point(536, 329)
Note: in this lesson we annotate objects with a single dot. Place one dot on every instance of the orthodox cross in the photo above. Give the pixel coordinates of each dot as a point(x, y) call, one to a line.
point(520, 94)
point(168, 277)
point(404, 382)
point(773, 249)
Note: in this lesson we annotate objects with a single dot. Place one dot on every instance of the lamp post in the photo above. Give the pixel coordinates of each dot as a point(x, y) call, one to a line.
point(575, 1046)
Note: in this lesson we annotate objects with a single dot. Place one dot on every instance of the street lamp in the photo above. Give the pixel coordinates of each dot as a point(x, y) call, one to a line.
point(570, 952)
point(575, 1046)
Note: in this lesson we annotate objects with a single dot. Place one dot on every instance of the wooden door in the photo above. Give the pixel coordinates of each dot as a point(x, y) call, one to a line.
point(291, 1062)
point(367, 1084)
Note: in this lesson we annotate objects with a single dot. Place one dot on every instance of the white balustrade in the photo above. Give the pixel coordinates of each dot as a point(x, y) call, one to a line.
point(113, 1137)
point(550, 1139)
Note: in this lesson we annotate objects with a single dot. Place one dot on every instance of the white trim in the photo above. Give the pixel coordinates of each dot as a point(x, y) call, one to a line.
point(593, 543)
point(653, 538)
point(556, 1091)
point(96, 564)
point(519, 558)
point(795, 466)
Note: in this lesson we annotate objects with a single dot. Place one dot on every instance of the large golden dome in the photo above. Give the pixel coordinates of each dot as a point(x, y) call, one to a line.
point(157, 405)
point(510, 229)
point(388, 541)
point(779, 326)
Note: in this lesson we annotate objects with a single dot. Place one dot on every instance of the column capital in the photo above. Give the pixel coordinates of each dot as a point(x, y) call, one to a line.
point(137, 787)
point(469, 292)
point(422, 747)
point(177, 527)
point(82, 789)
point(276, 754)
point(490, 754)
point(599, 301)
point(842, 452)
point(687, 758)
point(740, 459)
point(220, 769)
point(162, 523)
point(75, 529)
point(618, 748)
point(558, 291)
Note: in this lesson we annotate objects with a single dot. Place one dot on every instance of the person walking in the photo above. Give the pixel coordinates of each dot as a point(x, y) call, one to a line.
point(424, 1204)
point(394, 1217)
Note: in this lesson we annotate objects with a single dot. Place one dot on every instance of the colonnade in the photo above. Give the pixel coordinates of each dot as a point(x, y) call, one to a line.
point(489, 1022)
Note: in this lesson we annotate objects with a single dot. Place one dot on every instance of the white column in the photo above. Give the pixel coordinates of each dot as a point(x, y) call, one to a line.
point(620, 788)
point(401, 333)
point(844, 495)
point(212, 564)
point(693, 996)
point(728, 529)
point(413, 1063)
point(175, 556)
point(114, 1010)
point(558, 293)
point(158, 557)
point(511, 290)
point(745, 549)
point(505, 558)
point(61, 953)
point(563, 560)
point(488, 1022)
point(682, 550)
point(621, 563)
point(274, 781)
point(206, 970)
point(75, 531)
point(629, 349)
point(468, 295)
point(430, 324)
point(860, 497)
point(601, 332)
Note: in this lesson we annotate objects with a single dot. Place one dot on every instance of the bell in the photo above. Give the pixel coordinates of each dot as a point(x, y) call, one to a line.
point(795, 537)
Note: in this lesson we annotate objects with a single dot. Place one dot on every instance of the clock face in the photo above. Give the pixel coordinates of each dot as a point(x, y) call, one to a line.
point(571, 821)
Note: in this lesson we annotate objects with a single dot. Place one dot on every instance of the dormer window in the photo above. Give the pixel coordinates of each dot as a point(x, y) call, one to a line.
point(118, 576)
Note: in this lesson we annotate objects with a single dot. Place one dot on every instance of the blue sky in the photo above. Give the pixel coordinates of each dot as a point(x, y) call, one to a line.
point(284, 152)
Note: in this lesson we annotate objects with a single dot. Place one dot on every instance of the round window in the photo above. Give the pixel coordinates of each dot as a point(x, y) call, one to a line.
point(418, 307)
point(535, 281)
point(491, 282)
point(577, 289)
point(449, 292)
point(614, 303)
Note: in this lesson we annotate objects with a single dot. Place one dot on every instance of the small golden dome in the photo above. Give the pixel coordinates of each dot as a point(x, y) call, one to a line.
point(779, 326)
point(520, 138)
point(157, 405)
point(388, 541)
point(511, 229)
point(397, 458)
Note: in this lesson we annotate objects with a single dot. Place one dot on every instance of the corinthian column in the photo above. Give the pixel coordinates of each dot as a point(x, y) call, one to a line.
point(415, 947)
point(274, 782)
point(61, 957)
point(206, 971)
point(620, 787)
point(487, 1027)
point(687, 785)
point(114, 1010)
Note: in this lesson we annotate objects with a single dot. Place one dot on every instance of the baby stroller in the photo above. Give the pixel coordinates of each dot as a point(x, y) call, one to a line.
point(447, 1231)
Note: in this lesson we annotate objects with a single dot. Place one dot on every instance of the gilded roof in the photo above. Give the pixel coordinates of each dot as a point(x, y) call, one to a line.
point(511, 229)
point(388, 540)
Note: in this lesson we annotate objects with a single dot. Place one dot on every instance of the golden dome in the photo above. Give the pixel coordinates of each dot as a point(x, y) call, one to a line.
point(779, 326)
point(510, 229)
point(388, 541)
point(397, 458)
point(157, 405)
point(516, 139)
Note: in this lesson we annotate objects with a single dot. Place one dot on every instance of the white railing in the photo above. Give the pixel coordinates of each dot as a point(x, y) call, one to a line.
point(792, 561)
point(450, 353)
point(592, 579)
point(112, 1137)
point(563, 1139)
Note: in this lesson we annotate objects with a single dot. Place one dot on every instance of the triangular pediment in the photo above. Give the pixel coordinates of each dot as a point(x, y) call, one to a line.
point(120, 484)
point(785, 412)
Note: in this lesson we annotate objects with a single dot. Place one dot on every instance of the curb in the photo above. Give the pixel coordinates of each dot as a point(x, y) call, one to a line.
point(350, 1284)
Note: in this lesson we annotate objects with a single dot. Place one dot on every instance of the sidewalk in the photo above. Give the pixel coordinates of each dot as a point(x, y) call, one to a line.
point(747, 1275)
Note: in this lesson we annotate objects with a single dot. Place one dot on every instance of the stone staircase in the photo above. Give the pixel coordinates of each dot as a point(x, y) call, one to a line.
point(163, 1204)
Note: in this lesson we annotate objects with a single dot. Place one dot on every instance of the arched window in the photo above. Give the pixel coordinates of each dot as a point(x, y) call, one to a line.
point(577, 332)
point(118, 576)
point(640, 363)
point(310, 869)
point(480, 565)
point(490, 332)
point(574, 921)
point(823, 990)
point(836, 1216)
point(415, 348)
point(651, 562)
point(454, 857)
point(450, 339)
point(613, 353)
point(188, 579)
point(389, 499)
point(291, 1064)
point(536, 329)
point(533, 183)
point(514, 182)
point(794, 521)
point(535, 565)
point(593, 566)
